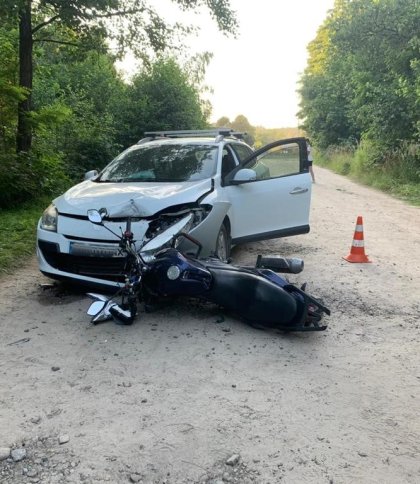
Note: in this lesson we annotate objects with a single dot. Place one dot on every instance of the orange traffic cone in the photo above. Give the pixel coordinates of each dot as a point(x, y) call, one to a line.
point(357, 251)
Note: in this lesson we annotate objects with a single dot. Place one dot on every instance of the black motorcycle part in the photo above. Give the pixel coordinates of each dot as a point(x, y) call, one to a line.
point(280, 264)
point(124, 314)
point(253, 297)
point(310, 311)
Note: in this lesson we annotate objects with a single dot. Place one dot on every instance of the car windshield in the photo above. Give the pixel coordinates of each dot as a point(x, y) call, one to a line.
point(162, 163)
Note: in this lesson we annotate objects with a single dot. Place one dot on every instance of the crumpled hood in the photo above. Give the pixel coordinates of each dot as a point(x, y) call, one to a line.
point(129, 199)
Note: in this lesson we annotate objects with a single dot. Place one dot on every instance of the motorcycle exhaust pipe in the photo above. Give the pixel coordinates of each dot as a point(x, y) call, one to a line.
point(280, 264)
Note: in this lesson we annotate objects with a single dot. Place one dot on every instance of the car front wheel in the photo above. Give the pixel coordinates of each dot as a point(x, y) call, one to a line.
point(223, 244)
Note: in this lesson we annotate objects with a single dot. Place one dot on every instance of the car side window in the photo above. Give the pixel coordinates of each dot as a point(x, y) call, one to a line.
point(283, 160)
point(242, 152)
point(228, 161)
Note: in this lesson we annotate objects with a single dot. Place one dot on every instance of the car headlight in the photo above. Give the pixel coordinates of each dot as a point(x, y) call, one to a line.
point(49, 219)
point(164, 238)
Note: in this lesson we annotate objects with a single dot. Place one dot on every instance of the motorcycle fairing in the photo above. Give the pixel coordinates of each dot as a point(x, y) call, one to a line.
point(194, 278)
point(309, 310)
point(253, 297)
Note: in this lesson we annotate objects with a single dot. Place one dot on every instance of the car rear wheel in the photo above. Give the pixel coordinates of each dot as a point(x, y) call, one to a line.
point(223, 243)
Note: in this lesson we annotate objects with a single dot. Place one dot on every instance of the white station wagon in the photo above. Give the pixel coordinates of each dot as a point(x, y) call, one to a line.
point(234, 193)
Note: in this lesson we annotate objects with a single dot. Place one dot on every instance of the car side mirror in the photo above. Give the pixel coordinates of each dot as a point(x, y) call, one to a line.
point(90, 174)
point(244, 175)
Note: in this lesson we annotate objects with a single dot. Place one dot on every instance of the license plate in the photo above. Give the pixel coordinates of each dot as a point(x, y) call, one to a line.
point(94, 250)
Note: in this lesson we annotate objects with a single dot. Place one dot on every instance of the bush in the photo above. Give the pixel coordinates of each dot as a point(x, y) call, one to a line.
point(337, 158)
point(25, 177)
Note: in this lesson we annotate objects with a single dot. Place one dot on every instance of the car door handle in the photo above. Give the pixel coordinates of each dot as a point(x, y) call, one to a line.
point(298, 190)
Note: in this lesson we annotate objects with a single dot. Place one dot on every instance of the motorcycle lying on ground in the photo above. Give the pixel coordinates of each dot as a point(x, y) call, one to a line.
point(258, 295)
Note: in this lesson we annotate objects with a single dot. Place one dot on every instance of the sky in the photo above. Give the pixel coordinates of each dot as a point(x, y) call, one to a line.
point(257, 73)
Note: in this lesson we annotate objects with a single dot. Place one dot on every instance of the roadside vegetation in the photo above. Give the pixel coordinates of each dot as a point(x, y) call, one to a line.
point(17, 233)
point(361, 94)
point(397, 174)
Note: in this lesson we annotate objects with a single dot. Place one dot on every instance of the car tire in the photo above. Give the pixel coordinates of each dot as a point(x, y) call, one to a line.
point(223, 243)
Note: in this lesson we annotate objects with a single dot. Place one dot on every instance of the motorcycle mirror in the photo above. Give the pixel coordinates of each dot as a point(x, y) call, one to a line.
point(167, 235)
point(104, 313)
point(94, 216)
point(96, 307)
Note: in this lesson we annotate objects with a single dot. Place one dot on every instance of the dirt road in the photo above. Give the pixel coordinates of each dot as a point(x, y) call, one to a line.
point(172, 398)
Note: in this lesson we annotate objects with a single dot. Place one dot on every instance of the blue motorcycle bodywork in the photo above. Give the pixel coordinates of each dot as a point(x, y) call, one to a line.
point(260, 296)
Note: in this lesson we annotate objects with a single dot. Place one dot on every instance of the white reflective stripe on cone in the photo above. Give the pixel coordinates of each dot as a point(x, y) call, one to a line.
point(359, 228)
point(358, 243)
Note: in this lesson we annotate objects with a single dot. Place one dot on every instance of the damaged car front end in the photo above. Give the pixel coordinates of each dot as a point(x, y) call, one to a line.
point(78, 251)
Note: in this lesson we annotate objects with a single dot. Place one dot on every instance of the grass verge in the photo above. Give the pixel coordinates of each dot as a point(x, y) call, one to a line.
point(18, 233)
point(399, 175)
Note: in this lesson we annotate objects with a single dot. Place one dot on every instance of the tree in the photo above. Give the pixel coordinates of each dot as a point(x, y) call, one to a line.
point(10, 92)
point(241, 123)
point(362, 79)
point(223, 122)
point(381, 39)
point(161, 97)
point(132, 23)
point(93, 95)
point(325, 87)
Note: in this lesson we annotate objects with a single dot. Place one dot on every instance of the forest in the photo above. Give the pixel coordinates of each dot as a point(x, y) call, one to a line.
point(360, 93)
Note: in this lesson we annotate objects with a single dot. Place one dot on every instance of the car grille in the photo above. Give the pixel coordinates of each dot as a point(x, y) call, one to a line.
point(107, 268)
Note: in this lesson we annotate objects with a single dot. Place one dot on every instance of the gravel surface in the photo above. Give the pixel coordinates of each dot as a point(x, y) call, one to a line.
point(189, 394)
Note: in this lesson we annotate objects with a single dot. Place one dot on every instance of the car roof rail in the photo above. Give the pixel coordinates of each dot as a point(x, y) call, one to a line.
point(145, 140)
point(217, 133)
